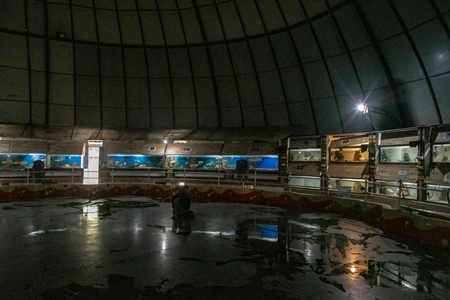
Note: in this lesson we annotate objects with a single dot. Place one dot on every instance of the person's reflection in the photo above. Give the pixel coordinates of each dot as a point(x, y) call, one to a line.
point(181, 205)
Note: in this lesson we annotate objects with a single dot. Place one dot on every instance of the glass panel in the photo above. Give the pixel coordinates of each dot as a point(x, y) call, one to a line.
point(398, 154)
point(350, 154)
point(206, 162)
point(19, 161)
point(308, 182)
point(65, 161)
point(441, 153)
point(312, 154)
point(391, 189)
point(344, 187)
point(438, 193)
point(135, 161)
point(266, 162)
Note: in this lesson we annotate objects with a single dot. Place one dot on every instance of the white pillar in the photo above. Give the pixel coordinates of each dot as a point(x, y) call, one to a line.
point(91, 173)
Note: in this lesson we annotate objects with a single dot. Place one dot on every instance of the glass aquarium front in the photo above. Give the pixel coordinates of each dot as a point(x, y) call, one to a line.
point(350, 154)
point(205, 162)
point(65, 161)
point(260, 162)
point(438, 193)
point(19, 161)
point(441, 153)
point(304, 154)
point(130, 161)
point(408, 190)
point(398, 154)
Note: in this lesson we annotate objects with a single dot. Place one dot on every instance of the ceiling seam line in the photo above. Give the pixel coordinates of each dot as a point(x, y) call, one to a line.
point(392, 84)
point(419, 59)
point(232, 66)
point(316, 17)
point(276, 64)
point(47, 67)
point(123, 64)
point(136, 3)
point(190, 65)
point(256, 73)
point(301, 67)
point(211, 67)
point(99, 65)
point(325, 64)
point(441, 18)
point(30, 91)
point(74, 70)
point(169, 69)
point(348, 52)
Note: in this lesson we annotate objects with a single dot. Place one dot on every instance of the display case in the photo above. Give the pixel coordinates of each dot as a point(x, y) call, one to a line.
point(135, 161)
point(304, 155)
point(441, 153)
point(398, 154)
point(438, 193)
point(304, 182)
point(348, 155)
point(204, 162)
point(19, 160)
point(391, 188)
point(255, 162)
point(59, 161)
point(355, 185)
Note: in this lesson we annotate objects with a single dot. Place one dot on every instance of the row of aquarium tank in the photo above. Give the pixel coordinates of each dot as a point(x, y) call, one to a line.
point(204, 162)
point(390, 154)
point(26, 160)
point(121, 161)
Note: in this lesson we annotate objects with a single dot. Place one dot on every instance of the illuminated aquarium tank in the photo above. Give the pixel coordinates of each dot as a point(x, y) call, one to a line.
point(65, 161)
point(19, 161)
point(135, 161)
point(262, 162)
point(205, 162)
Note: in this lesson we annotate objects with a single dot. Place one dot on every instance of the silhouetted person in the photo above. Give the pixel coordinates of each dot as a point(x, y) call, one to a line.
point(181, 205)
point(38, 170)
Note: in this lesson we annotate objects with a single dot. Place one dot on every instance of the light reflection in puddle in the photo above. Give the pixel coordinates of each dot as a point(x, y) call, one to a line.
point(42, 231)
point(90, 211)
point(339, 249)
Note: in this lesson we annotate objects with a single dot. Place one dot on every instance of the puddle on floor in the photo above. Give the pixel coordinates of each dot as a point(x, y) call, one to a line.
point(333, 247)
point(286, 247)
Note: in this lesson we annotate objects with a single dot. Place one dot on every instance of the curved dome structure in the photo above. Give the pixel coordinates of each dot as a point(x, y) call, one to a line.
point(186, 64)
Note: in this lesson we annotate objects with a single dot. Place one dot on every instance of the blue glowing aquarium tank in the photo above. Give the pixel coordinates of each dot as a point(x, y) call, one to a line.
point(65, 161)
point(255, 162)
point(19, 161)
point(204, 162)
point(130, 161)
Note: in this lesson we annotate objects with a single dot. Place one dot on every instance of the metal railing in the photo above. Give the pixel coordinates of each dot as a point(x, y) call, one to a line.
point(362, 189)
point(217, 178)
point(365, 189)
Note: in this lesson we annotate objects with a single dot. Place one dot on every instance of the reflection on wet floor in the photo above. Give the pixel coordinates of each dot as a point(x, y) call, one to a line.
point(331, 246)
point(264, 252)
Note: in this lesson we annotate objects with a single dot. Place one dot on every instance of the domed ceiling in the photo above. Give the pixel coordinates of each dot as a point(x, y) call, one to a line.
point(201, 64)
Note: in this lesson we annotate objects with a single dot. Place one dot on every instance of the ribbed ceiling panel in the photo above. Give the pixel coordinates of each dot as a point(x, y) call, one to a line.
point(182, 64)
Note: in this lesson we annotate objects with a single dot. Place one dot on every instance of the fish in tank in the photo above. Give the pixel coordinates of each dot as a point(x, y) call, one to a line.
point(255, 162)
point(18, 161)
point(193, 162)
point(135, 161)
point(65, 161)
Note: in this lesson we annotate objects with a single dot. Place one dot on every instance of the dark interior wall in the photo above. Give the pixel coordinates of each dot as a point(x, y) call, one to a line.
point(198, 64)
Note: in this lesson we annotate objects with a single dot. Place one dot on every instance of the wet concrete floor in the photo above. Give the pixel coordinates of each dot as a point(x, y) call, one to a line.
point(124, 248)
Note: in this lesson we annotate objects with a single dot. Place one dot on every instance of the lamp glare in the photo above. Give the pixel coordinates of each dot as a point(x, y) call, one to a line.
point(361, 107)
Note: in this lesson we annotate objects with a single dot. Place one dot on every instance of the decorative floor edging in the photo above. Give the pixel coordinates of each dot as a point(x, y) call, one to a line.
point(426, 230)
